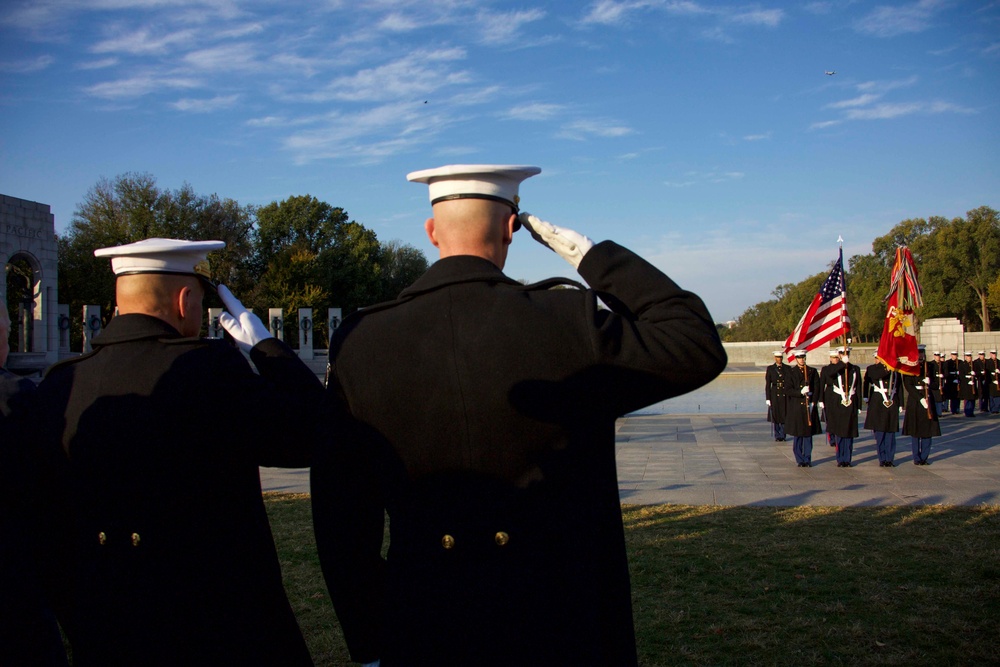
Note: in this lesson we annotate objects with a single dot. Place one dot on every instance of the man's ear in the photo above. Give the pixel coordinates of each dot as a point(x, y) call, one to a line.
point(431, 234)
point(184, 302)
point(508, 229)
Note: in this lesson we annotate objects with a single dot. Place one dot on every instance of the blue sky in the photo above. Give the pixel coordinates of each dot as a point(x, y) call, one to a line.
point(704, 135)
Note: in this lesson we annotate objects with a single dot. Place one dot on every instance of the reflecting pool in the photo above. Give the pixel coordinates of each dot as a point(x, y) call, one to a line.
point(727, 394)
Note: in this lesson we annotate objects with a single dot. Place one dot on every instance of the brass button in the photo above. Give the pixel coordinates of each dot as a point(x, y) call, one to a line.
point(102, 539)
point(501, 538)
point(448, 542)
point(135, 539)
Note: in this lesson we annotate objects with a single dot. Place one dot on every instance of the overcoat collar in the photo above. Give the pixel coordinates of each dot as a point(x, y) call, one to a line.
point(454, 270)
point(134, 326)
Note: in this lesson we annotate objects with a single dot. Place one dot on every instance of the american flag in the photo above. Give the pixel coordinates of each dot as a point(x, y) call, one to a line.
point(826, 318)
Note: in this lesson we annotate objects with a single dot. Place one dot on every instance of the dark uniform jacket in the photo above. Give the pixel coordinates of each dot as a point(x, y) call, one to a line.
point(883, 391)
point(968, 384)
point(774, 391)
point(979, 370)
point(842, 384)
point(802, 418)
point(916, 421)
point(28, 631)
point(935, 372)
point(156, 441)
point(992, 377)
point(952, 379)
point(485, 428)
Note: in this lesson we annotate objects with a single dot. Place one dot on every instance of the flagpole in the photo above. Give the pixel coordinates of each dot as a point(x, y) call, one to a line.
point(843, 311)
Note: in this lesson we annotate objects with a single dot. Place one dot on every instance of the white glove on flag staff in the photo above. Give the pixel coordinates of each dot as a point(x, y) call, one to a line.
point(245, 327)
point(566, 243)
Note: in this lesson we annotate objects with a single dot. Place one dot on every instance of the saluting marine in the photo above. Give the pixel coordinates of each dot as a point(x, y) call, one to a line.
point(152, 443)
point(496, 465)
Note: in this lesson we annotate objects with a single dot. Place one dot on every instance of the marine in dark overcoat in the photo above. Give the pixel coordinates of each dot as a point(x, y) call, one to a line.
point(797, 422)
point(774, 394)
point(952, 380)
point(968, 386)
point(485, 427)
point(920, 419)
point(883, 393)
point(28, 631)
point(841, 396)
point(992, 367)
point(168, 557)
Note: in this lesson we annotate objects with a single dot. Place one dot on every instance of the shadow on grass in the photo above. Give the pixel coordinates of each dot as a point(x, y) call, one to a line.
point(896, 585)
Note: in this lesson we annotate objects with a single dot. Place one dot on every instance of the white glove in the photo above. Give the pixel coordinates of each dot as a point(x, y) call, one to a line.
point(805, 391)
point(822, 406)
point(768, 401)
point(566, 243)
point(245, 327)
point(923, 402)
point(927, 380)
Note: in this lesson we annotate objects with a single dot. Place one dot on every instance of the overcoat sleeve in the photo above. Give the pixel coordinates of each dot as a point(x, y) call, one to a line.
point(657, 341)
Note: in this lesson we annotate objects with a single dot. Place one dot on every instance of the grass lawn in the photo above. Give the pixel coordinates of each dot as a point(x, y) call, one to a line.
point(764, 585)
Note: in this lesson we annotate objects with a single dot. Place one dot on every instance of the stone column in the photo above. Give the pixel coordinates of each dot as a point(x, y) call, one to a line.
point(276, 323)
point(333, 320)
point(305, 333)
point(63, 327)
point(91, 325)
point(215, 329)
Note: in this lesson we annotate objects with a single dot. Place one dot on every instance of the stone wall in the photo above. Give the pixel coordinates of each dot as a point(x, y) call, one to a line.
point(27, 231)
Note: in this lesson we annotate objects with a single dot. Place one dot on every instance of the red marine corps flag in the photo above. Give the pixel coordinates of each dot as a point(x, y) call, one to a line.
point(897, 348)
point(826, 318)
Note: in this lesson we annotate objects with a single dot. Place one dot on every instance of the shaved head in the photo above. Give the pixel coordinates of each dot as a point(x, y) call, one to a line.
point(176, 300)
point(479, 227)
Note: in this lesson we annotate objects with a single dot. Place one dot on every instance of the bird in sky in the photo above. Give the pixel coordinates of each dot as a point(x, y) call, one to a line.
point(829, 73)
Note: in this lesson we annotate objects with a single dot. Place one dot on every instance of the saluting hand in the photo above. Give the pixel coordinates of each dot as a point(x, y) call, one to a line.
point(566, 243)
point(245, 327)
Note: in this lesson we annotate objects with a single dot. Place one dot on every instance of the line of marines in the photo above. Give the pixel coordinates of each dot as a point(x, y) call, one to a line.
point(800, 399)
point(967, 385)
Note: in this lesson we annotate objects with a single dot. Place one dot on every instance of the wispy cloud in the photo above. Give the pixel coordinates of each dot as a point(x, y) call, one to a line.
point(504, 27)
point(890, 21)
point(620, 12)
point(408, 78)
point(580, 130)
point(27, 66)
point(205, 105)
point(693, 178)
point(535, 111)
point(142, 41)
point(757, 137)
point(370, 135)
point(138, 86)
point(869, 105)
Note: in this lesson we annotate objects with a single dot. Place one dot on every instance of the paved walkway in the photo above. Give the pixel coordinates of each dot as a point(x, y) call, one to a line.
point(734, 460)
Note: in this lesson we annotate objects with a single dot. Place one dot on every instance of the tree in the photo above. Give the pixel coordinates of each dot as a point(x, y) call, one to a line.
point(399, 265)
point(132, 208)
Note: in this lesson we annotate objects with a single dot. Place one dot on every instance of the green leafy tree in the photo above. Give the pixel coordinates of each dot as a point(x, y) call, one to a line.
point(131, 207)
